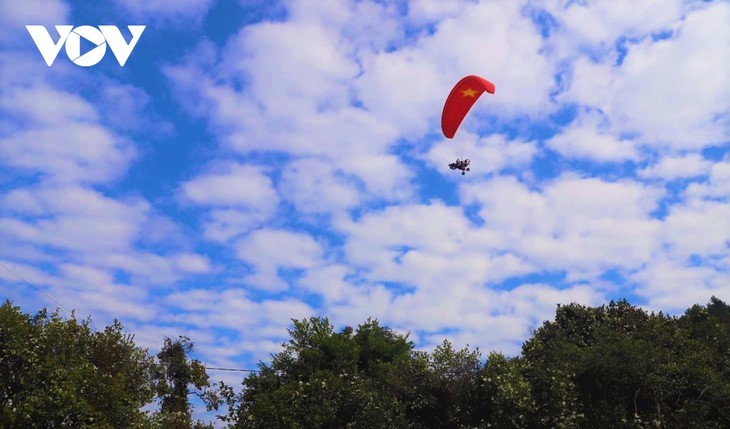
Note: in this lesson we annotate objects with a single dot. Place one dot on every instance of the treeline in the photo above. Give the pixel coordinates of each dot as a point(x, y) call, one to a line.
point(57, 373)
point(613, 366)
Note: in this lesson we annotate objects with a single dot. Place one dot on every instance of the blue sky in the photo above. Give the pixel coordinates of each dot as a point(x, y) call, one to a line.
point(259, 161)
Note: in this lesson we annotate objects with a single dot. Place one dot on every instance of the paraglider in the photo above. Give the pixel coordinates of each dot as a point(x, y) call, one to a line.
point(462, 97)
point(460, 164)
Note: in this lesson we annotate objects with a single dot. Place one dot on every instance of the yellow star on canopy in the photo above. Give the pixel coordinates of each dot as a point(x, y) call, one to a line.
point(469, 92)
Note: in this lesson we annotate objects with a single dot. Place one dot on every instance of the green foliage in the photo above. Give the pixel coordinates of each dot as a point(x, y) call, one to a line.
point(176, 377)
point(617, 366)
point(325, 379)
point(456, 385)
point(613, 366)
point(708, 361)
point(56, 373)
point(509, 401)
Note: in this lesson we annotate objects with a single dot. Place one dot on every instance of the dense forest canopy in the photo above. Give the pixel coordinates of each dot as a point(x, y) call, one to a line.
point(613, 366)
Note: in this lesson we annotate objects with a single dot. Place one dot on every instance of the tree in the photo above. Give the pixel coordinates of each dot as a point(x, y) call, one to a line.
point(369, 377)
point(56, 373)
point(456, 384)
point(508, 401)
point(618, 366)
point(325, 379)
point(613, 366)
point(709, 387)
point(176, 378)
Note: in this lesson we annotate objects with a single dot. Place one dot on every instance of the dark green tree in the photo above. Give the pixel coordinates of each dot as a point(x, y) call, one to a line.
point(613, 366)
point(507, 402)
point(457, 386)
point(177, 376)
point(325, 379)
point(708, 390)
point(58, 373)
point(618, 366)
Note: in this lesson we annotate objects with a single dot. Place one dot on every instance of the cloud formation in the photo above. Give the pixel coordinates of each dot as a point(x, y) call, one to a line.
point(294, 166)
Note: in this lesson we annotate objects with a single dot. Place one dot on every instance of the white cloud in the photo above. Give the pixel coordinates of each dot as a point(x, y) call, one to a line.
point(317, 64)
point(717, 185)
point(384, 176)
point(223, 225)
point(235, 309)
point(494, 40)
point(426, 246)
point(315, 186)
point(29, 273)
point(329, 282)
point(55, 144)
point(674, 286)
point(699, 228)
point(87, 227)
point(677, 167)
point(305, 114)
point(501, 320)
point(154, 269)
point(487, 154)
point(231, 186)
point(61, 137)
point(699, 225)
point(586, 138)
point(342, 98)
point(191, 263)
point(365, 24)
point(597, 25)
point(429, 11)
point(44, 106)
point(73, 218)
point(347, 96)
point(249, 326)
point(489, 319)
point(85, 289)
point(127, 108)
point(240, 197)
point(682, 92)
point(93, 291)
point(270, 250)
point(377, 239)
point(583, 225)
point(499, 42)
point(15, 15)
point(403, 88)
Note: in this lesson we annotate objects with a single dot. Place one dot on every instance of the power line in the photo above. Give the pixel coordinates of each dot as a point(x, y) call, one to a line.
point(36, 288)
point(232, 369)
point(92, 323)
point(71, 312)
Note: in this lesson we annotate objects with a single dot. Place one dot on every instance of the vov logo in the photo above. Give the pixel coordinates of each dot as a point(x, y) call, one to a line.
point(71, 37)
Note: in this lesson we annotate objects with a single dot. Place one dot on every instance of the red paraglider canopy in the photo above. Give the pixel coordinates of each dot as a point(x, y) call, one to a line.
point(462, 97)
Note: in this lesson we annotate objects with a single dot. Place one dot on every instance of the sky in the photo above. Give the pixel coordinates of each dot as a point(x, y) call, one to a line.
point(259, 161)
